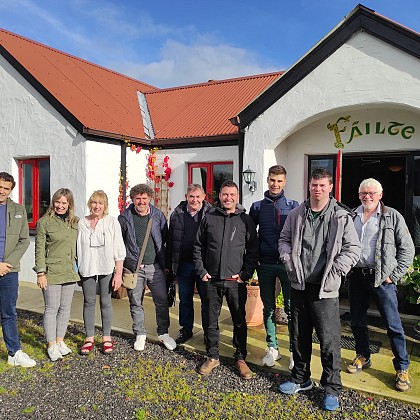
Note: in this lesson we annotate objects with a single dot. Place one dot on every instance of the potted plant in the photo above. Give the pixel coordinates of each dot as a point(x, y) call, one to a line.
point(254, 305)
point(412, 281)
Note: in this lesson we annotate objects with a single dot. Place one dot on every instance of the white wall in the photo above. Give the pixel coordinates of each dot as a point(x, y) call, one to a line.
point(364, 74)
point(30, 127)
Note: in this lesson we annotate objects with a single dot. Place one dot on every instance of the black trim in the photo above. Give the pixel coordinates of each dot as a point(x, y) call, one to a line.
point(360, 19)
point(241, 149)
point(52, 100)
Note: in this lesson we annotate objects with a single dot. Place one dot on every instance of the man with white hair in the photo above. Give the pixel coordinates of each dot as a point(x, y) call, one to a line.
point(387, 252)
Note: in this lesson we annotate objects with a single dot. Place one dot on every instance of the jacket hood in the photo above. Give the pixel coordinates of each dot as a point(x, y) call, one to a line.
point(239, 209)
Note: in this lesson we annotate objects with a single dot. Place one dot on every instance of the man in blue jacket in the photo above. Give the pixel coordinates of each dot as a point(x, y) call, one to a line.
point(14, 241)
point(387, 252)
point(270, 214)
point(225, 256)
point(134, 221)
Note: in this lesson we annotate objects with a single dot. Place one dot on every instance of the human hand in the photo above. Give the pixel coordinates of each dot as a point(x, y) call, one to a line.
point(116, 282)
point(206, 277)
point(388, 281)
point(42, 281)
point(5, 268)
point(238, 279)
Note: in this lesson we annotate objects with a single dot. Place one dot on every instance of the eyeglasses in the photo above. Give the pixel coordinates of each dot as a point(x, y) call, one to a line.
point(369, 193)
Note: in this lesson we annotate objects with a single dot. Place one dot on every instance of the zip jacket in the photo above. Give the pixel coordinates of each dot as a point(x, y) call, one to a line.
point(270, 215)
point(158, 233)
point(226, 245)
point(342, 247)
point(17, 234)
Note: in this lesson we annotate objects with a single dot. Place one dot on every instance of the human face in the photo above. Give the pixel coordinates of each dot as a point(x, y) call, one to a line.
point(61, 205)
point(229, 197)
point(141, 203)
point(369, 197)
point(276, 183)
point(97, 208)
point(319, 190)
point(195, 199)
point(6, 188)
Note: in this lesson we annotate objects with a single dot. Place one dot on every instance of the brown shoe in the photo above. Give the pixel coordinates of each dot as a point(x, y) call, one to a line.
point(208, 366)
point(402, 381)
point(243, 369)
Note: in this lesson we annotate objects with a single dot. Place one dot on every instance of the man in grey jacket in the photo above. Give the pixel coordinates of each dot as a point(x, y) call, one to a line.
point(318, 245)
point(387, 252)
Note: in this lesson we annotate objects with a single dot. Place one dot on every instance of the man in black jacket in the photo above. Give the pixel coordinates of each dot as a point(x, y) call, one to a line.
point(225, 256)
point(183, 227)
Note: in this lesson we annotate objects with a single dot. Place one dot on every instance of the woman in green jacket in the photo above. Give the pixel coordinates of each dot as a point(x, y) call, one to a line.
point(55, 264)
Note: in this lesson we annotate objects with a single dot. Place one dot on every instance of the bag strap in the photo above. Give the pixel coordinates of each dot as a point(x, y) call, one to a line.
point(143, 248)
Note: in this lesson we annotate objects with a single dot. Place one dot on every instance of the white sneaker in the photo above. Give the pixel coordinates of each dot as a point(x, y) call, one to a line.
point(63, 349)
point(167, 341)
point(21, 359)
point(140, 342)
point(292, 362)
point(271, 356)
point(54, 353)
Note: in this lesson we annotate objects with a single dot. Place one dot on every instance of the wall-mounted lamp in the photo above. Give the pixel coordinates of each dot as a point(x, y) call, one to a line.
point(249, 175)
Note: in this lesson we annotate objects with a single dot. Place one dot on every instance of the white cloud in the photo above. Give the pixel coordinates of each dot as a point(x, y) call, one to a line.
point(181, 64)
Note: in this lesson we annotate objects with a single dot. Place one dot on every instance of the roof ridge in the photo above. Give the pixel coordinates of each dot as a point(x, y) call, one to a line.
point(23, 38)
point(218, 81)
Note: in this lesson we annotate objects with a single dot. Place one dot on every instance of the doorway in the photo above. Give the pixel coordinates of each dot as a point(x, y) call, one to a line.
point(389, 170)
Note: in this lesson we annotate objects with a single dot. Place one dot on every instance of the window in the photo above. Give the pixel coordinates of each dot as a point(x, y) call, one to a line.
point(34, 188)
point(211, 176)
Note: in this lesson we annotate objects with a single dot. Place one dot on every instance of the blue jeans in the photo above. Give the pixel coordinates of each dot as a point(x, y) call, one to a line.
point(267, 274)
point(187, 279)
point(8, 298)
point(361, 288)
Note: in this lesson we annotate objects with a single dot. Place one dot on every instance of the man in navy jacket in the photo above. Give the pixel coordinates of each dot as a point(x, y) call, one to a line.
point(270, 214)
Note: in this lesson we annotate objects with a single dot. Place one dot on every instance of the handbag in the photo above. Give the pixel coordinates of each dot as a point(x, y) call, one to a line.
point(129, 279)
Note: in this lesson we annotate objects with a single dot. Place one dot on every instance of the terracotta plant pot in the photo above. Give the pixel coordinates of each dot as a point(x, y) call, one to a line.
point(254, 306)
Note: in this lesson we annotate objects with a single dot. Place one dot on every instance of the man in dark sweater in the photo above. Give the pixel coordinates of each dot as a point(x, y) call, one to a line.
point(183, 227)
point(269, 215)
point(134, 221)
point(225, 256)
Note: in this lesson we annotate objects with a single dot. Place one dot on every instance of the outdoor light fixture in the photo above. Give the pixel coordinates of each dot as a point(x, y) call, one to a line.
point(249, 175)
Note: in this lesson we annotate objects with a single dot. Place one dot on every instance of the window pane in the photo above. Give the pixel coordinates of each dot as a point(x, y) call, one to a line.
point(44, 186)
point(221, 173)
point(27, 193)
point(199, 176)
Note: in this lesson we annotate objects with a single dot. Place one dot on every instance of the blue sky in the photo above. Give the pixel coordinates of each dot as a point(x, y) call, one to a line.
point(177, 42)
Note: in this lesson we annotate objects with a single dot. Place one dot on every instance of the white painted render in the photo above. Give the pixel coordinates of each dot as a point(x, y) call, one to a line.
point(365, 78)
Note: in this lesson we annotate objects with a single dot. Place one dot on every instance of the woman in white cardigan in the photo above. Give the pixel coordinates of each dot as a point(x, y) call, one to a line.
point(100, 254)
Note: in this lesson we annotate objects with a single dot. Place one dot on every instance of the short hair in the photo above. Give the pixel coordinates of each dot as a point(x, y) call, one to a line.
point(371, 182)
point(229, 183)
point(6, 177)
point(319, 173)
point(141, 189)
point(277, 170)
point(193, 187)
point(100, 196)
point(63, 192)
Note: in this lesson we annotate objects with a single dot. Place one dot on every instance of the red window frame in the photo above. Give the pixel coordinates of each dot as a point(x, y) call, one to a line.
point(210, 180)
point(35, 187)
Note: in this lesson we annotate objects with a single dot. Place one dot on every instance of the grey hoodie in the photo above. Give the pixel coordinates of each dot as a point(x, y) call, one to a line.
point(342, 247)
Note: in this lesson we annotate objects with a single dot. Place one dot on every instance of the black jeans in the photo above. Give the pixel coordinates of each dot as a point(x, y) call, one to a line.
point(235, 294)
point(309, 312)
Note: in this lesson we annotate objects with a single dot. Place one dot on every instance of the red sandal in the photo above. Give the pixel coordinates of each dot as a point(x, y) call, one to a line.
point(108, 347)
point(87, 347)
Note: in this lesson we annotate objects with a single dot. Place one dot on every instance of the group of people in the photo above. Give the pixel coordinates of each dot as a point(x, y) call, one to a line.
point(215, 250)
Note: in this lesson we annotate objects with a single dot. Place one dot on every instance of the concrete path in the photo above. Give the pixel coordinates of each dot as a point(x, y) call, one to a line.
point(379, 379)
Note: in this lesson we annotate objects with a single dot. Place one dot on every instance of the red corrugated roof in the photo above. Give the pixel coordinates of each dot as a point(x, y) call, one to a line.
point(105, 101)
point(204, 109)
point(99, 98)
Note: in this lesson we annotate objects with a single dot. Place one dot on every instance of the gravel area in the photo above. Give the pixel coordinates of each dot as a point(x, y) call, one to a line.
point(162, 384)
